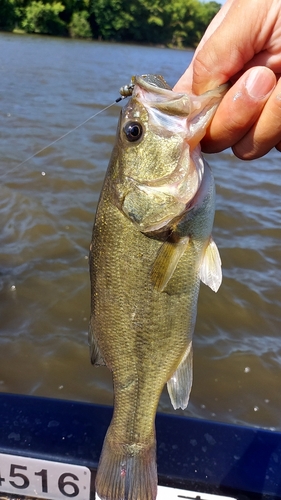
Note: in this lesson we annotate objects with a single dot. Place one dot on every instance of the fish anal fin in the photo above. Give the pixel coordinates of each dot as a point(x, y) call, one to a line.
point(166, 262)
point(95, 353)
point(210, 271)
point(126, 471)
point(179, 385)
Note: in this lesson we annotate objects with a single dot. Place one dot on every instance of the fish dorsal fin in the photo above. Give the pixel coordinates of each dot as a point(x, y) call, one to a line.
point(166, 262)
point(210, 269)
point(179, 385)
point(96, 357)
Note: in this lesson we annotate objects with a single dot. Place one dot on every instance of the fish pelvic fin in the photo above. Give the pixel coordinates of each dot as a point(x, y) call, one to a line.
point(166, 262)
point(127, 472)
point(95, 353)
point(179, 385)
point(210, 271)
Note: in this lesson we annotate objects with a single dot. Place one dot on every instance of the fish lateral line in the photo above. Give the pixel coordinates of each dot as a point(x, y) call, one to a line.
point(123, 96)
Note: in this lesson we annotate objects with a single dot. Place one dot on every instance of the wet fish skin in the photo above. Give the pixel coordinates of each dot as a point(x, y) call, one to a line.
point(151, 246)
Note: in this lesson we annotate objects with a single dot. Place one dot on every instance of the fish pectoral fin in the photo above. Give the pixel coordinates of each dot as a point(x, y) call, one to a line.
point(210, 269)
point(166, 262)
point(179, 385)
point(95, 353)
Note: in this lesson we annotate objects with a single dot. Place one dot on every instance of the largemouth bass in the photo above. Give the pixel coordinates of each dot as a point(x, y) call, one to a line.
point(151, 247)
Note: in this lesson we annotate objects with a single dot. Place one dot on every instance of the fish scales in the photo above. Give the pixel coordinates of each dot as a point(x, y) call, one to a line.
point(151, 245)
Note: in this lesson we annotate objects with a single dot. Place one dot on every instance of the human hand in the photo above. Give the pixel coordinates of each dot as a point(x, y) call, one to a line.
point(241, 45)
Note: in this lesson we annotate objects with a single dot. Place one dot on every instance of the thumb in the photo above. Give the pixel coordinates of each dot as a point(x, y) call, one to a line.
point(231, 40)
point(185, 82)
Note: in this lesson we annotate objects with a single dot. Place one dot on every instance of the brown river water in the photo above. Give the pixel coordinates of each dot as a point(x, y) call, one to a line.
point(47, 205)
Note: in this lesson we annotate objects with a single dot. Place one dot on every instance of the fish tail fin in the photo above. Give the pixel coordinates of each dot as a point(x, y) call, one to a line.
point(126, 472)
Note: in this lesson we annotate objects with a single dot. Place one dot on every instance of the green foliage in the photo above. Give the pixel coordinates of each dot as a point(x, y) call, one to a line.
point(44, 18)
point(150, 21)
point(79, 26)
point(179, 23)
point(112, 18)
point(189, 20)
point(8, 15)
point(71, 7)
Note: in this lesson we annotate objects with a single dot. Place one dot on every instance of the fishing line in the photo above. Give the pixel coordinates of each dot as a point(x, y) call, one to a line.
point(64, 135)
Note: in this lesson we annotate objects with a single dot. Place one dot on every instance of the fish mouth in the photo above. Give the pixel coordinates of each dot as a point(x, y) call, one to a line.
point(193, 112)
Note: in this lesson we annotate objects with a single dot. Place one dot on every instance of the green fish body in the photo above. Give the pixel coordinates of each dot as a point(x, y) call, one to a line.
point(151, 246)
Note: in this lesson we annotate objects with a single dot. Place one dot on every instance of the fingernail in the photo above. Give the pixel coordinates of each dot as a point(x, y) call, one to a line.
point(260, 82)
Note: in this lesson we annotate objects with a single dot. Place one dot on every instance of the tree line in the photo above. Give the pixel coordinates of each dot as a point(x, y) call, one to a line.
point(177, 23)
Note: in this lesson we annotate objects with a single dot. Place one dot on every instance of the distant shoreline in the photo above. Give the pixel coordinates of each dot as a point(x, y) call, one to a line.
point(178, 24)
point(21, 32)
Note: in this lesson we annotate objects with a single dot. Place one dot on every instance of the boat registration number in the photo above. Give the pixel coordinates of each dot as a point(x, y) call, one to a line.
point(43, 478)
point(165, 493)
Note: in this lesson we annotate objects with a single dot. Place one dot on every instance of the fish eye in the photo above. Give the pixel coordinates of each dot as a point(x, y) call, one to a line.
point(133, 131)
